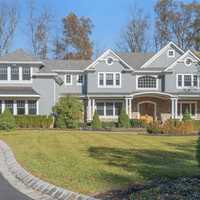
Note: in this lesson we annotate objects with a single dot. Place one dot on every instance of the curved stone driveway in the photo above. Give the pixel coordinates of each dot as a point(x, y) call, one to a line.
point(26, 183)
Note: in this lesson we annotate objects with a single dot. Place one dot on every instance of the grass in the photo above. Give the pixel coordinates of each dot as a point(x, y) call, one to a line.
point(95, 162)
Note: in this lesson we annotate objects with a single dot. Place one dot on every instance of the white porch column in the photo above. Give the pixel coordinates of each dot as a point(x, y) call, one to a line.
point(126, 105)
point(174, 107)
point(89, 118)
point(14, 107)
point(26, 107)
point(3, 106)
point(93, 106)
point(130, 108)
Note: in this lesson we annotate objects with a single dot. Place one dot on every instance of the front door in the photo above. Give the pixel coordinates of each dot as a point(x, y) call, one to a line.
point(147, 108)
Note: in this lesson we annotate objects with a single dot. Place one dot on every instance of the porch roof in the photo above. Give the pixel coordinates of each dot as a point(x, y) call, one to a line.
point(12, 91)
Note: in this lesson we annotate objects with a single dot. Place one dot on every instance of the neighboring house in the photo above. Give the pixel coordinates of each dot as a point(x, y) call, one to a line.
point(163, 85)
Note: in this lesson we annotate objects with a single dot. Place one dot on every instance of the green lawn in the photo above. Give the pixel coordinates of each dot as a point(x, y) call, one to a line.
point(95, 162)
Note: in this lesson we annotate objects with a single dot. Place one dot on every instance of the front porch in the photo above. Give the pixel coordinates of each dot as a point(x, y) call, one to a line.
point(160, 106)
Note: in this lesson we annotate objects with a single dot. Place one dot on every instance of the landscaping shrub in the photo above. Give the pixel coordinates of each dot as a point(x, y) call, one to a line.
point(198, 151)
point(171, 127)
point(154, 127)
point(109, 124)
point(33, 121)
point(96, 123)
point(147, 119)
point(123, 119)
point(137, 123)
point(187, 116)
point(68, 112)
point(7, 120)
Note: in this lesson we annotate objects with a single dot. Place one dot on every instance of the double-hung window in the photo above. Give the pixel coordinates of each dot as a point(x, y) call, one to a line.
point(26, 73)
point(68, 79)
point(109, 79)
point(3, 73)
point(9, 105)
point(20, 107)
point(80, 79)
point(187, 81)
point(32, 107)
point(14, 73)
point(100, 108)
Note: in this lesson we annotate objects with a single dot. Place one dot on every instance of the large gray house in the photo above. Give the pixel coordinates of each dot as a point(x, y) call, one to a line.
point(163, 85)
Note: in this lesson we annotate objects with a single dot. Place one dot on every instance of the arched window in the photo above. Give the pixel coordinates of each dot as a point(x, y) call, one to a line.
point(147, 82)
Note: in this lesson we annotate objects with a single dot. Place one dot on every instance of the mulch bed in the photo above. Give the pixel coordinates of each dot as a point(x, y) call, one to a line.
point(183, 188)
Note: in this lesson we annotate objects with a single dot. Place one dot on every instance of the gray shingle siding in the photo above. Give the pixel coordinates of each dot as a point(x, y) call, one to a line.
point(49, 75)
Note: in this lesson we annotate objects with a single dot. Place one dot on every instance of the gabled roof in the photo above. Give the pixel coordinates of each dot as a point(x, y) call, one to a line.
point(109, 51)
point(64, 65)
point(136, 60)
point(19, 56)
point(180, 58)
point(160, 52)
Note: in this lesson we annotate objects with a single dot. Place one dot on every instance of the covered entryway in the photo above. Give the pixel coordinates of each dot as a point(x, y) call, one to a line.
point(147, 108)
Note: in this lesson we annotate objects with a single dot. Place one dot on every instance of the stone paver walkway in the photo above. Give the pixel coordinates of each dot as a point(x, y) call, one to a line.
point(27, 184)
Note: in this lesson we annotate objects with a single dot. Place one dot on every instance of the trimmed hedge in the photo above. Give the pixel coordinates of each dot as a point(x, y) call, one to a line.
point(137, 123)
point(34, 121)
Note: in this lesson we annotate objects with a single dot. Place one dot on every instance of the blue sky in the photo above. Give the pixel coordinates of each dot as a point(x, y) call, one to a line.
point(109, 17)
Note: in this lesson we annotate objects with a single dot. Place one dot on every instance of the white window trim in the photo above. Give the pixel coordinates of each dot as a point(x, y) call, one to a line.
point(187, 87)
point(186, 102)
point(171, 56)
point(185, 61)
point(110, 57)
point(70, 79)
point(114, 80)
point(20, 76)
point(114, 111)
point(77, 77)
point(155, 76)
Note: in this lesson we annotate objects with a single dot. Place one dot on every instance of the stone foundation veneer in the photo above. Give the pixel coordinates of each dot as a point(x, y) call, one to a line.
point(31, 186)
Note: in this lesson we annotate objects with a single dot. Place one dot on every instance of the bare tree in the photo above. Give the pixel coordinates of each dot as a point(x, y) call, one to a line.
point(8, 23)
point(39, 26)
point(134, 37)
point(179, 22)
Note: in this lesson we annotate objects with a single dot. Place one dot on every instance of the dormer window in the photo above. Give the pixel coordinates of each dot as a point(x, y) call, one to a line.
point(171, 53)
point(109, 61)
point(188, 61)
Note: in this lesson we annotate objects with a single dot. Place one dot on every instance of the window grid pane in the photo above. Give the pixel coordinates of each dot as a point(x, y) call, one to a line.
point(68, 78)
point(187, 80)
point(117, 79)
point(195, 81)
point(109, 79)
point(9, 105)
point(100, 108)
point(32, 107)
point(180, 80)
point(26, 73)
point(20, 107)
point(109, 109)
point(147, 82)
point(80, 79)
point(101, 79)
point(3, 73)
point(14, 73)
point(118, 107)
